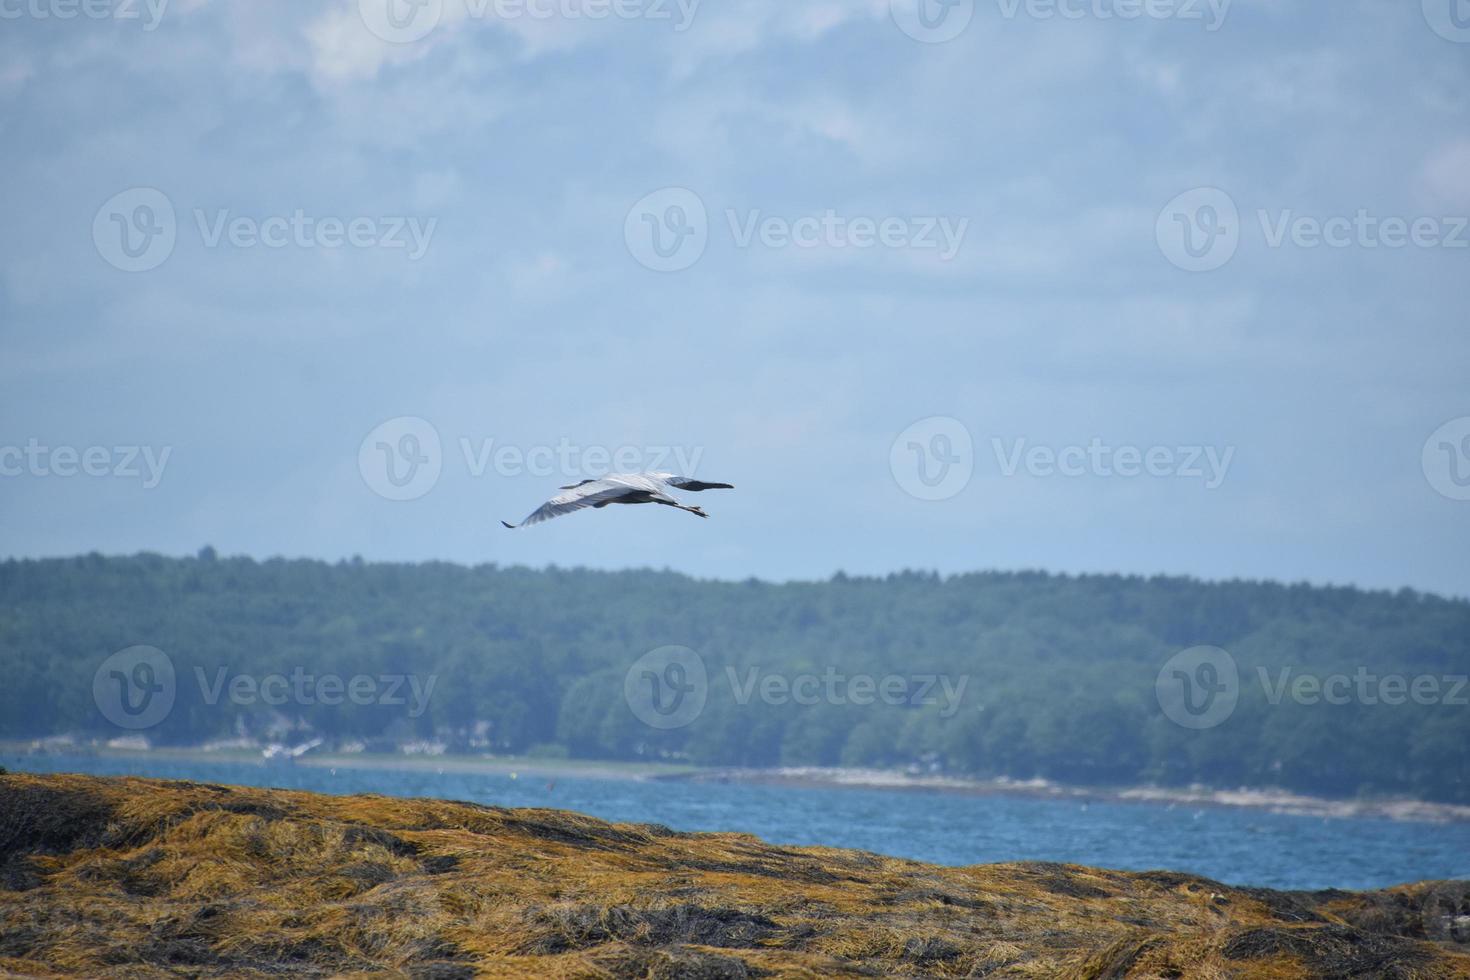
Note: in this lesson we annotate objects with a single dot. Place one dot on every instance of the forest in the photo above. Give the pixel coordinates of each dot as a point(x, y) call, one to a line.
point(1023, 674)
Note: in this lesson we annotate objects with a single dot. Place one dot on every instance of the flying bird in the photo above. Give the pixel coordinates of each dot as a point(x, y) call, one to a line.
point(619, 488)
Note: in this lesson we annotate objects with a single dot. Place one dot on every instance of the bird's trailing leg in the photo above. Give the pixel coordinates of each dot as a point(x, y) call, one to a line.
point(675, 503)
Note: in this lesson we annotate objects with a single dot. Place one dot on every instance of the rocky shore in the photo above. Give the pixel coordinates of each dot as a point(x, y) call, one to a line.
point(142, 878)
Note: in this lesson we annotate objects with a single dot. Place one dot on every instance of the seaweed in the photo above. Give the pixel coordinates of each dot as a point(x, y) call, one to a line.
point(150, 877)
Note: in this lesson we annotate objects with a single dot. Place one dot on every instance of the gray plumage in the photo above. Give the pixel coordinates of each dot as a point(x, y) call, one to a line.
point(620, 488)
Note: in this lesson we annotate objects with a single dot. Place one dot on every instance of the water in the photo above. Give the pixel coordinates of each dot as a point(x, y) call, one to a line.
point(1240, 847)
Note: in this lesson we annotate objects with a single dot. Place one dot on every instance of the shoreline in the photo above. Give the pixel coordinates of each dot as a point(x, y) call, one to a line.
point(1270, 799)
point(472, 764)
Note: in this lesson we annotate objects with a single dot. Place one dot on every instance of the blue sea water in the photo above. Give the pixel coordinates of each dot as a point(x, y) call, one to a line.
point(1235, 846)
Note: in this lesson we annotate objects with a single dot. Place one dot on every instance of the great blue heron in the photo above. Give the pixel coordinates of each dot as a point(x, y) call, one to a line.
point(619, 488)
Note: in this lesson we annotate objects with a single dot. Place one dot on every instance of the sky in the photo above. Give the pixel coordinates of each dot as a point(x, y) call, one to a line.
point(1147, 286)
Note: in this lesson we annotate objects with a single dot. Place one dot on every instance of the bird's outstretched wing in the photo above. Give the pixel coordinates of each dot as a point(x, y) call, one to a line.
point(689, 483)
point(593, 493)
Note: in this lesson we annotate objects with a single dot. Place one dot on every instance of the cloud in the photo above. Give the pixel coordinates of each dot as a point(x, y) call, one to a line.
point(1446, 175)
point(530, 138)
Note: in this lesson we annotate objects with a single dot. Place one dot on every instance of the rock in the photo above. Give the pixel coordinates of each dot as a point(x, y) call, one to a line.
point(149, 877)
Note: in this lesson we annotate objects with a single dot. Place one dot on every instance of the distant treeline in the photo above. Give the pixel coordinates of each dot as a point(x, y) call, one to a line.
point(1059, 672)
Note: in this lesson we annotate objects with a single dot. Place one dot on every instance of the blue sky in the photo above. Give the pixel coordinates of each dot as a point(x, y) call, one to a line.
point(1181, 292)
